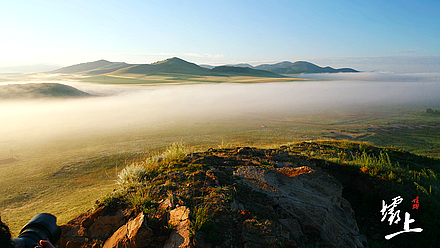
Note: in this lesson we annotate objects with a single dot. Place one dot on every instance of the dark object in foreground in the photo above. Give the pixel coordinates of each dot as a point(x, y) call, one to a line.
point(41, 227)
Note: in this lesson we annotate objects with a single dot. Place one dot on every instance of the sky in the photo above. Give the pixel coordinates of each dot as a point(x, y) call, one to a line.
point(394, 35)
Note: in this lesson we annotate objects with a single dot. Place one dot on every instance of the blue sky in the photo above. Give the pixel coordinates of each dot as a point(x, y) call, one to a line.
point(336, 33)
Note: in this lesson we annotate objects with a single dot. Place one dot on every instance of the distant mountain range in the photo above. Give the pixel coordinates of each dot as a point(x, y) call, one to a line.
point(287, 67)
point(179, 66)
point(170, 66)
point(298, 67)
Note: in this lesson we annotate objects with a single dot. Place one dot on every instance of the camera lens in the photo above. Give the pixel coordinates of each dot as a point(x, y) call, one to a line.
point(42, 226)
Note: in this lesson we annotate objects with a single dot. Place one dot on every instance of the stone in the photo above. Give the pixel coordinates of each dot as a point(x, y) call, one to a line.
point(293, 226)
point(310, 197)
point(165, 204)
point(104, 226)
point(92, 228)
point(134, 234)
point(179, 237)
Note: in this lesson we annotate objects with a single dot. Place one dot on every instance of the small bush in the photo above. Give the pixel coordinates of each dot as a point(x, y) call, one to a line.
point(201, 218)
point(137, 173)
point(175, 152)
point(131, 175)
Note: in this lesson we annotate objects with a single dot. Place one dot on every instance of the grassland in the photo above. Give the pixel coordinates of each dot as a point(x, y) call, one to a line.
point(179, 79)
point(65, 176)
point(137, 79)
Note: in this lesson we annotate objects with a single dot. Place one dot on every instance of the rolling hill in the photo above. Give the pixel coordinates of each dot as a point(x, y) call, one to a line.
point(244, 71)
point(108, 68)
point(172, 66)
point(177, 66)
point(39, 90)
point(299, 67)
point(83, 67)
point(169, 66)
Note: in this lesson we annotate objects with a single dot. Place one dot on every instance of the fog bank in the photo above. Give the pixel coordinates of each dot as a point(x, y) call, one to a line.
point(125, 107)
point(378, 76)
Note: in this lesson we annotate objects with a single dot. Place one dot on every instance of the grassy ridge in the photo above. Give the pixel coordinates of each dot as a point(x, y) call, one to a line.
point(389, 172)
point(300, 67)
point(172, 66)
point(243, 71)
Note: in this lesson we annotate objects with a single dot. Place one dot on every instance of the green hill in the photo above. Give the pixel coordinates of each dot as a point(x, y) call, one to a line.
point(271, 66)
point(172, 66)
point(242, 65)
point(299, 67)
point(108, 68)
point(84, 67)
point(39, 90)
point(177, 66)
point(169, 66)
point(243, 71)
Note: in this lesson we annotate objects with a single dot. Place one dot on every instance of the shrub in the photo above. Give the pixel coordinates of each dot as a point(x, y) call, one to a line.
point(136, 174)
point(131, 175)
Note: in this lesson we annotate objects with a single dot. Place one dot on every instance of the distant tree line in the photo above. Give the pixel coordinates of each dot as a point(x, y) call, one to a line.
point(432, 112)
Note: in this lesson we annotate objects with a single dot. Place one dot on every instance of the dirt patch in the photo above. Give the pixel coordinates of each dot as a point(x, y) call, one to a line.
point(8, 160)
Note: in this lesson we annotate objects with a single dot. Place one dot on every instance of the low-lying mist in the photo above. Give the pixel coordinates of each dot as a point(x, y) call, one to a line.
point(378, 76)
point(48, 145)
point(124, 107)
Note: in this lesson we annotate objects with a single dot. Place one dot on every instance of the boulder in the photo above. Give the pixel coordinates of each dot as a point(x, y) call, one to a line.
point(179, 218)
point(312, 198)
point(104, 226)
point(92, 228)
point(134, 234)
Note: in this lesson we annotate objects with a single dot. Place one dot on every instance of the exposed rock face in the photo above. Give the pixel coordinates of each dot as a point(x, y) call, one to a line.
point(251, 198)
point(91, 229)
point(179, 237)
point(134, 234)
point(313, 198)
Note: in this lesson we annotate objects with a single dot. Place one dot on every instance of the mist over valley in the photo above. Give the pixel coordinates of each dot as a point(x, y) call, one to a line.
point(66, 137)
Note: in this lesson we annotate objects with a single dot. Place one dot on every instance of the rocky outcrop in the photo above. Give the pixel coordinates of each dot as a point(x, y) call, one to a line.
point(134, 234)
point(179, 219)
point(312, 198)
point(92, 228)
point(244, 197)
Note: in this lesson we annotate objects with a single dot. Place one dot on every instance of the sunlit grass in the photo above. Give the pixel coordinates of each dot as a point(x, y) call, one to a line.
point(388, 163)
point(28, 186)
point(138, 173)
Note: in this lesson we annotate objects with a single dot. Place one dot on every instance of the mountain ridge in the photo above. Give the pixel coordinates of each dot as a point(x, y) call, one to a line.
point(168, 66)
point(177, 65)
point(244, 71)
point(83, 66)
point(299, 67)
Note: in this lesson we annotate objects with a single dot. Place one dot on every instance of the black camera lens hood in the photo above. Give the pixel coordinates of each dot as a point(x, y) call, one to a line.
point(43, 222)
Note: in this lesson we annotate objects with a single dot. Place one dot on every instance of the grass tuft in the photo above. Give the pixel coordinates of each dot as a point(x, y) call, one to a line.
point(132, 175)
